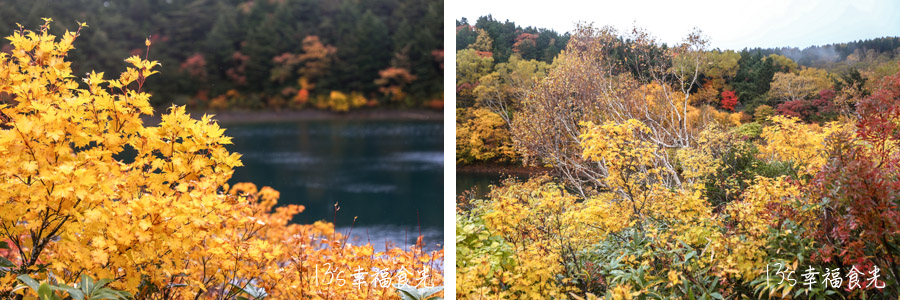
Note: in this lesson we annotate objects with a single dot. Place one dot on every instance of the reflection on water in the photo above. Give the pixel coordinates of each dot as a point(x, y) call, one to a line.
point(389, 174)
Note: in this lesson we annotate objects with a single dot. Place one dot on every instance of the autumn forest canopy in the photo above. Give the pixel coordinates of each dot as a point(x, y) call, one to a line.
point(498, 61)
point(677, 170)
point(335, 55)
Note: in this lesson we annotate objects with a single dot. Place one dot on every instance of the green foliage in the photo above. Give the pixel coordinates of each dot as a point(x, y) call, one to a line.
point(790, 246)
point(5, 264)
point(749, 130)
point(408, 292)
point(504, 35)
point(474, 241)
point(248, 292)
point(753, 79)
point(852, 80)
point(687, 276)
point(740, 167)
point(86, 289)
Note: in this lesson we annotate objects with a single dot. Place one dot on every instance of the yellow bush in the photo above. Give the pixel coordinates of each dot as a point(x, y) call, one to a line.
point(358, 100)
point(638, 224)
point(803, 145)
point(515, 213)
point(482, 135)
point(338, 101)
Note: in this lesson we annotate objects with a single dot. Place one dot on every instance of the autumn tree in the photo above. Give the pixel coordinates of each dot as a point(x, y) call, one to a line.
point(783, 63)
point(729, 100)
point(719, 70)
point(195, 65)
point(483, 43)
point(392, 81)
point(860, 222)
point(589, 82)
point(316, 58)
point(502, 91)
point(482, 135)
point(470, 67)
point(762, 114)
point(805, 84)
point(526, 45)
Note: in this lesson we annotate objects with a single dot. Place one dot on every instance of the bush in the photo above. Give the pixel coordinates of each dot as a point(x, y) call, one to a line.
point(750, 130)
point(741, 205)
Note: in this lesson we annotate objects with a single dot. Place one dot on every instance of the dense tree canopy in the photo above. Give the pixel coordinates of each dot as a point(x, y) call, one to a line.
point(529, 43)
point(208, 48)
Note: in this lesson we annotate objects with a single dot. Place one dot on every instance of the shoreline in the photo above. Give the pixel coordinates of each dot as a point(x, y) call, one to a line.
point(266, 116)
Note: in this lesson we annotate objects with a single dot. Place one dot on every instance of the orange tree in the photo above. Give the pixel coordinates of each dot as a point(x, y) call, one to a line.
point(89, 189)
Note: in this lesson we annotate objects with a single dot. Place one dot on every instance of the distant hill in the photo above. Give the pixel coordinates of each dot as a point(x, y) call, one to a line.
point(827, 56)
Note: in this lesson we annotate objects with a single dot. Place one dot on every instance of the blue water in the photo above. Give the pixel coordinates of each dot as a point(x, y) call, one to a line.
point(387, 174)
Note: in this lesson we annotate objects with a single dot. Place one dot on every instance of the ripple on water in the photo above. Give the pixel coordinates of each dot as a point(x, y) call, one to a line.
point(363, 188)
point(428, 157)
point(283, 158)
point(394, 236)
point(409, 162)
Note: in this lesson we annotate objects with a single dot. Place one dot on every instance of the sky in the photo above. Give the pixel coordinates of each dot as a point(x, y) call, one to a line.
point(728, 24)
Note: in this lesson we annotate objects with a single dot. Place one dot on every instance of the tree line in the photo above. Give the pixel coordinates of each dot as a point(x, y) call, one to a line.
point(496, 72)
point(258, 54)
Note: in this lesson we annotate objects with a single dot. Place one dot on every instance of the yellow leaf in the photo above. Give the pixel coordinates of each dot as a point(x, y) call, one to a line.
point(144, 224)
point(99, 257)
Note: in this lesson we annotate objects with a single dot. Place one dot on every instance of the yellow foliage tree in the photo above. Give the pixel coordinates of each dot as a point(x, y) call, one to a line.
point(803, 145)
point(637, 194)
point(482, 135)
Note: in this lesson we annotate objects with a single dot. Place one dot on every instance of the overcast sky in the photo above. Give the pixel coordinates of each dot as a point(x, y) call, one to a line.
point(728, 24)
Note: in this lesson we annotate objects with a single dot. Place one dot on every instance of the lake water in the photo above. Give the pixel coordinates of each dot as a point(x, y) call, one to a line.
point(387, 174)
point(479, 183)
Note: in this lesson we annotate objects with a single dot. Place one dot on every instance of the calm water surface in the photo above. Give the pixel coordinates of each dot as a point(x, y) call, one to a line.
point(480, 183)
point(387, 174)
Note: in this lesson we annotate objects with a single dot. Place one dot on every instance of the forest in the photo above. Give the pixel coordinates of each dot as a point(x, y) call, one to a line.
point(676, 171)
point(271, 54)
